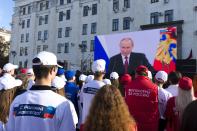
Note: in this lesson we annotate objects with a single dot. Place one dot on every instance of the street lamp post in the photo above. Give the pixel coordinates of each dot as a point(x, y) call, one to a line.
point(82, 48)
point(13, 54)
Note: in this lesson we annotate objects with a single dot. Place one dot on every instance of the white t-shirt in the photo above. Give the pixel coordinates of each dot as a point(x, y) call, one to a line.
point(79, 108)
point(1, 126)
point(30, 84)
point(41, 110)
point(163, 97)
point(7, 82)
point(88, 92)
point(173, 89)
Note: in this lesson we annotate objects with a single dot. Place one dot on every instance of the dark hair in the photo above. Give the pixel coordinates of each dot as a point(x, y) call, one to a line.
point(42, 71)
point(173, 77)
point(6, 97)
point(109, 112)
point(81, 83)
point(78, 73)
point(115, 82)
point(189, 118)
point(98, 74)
point(60, 91)
point(195, 82)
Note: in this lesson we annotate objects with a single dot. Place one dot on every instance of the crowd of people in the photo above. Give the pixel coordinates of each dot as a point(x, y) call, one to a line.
point(47, 97)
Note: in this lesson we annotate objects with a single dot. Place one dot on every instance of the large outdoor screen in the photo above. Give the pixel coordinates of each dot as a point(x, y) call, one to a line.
point(158, 45)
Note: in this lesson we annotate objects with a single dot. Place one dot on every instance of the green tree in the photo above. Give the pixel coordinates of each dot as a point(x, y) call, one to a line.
point(4, 51)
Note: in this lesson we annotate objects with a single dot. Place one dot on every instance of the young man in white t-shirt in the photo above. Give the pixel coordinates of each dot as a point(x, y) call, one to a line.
point(163, 96)
point(41, 109)
point(89, 90)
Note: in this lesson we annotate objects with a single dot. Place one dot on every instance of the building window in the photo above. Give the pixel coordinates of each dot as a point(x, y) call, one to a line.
point(126, 23)
point(29, 10)
point(22, 38)
point(84, 46)
point(45, 47)
point(68, 1)
point(91, 45)
point(26, 51)
point(20, 64)
point(126, 3)
point(61, 2)
point(154, 1)
point(25, 64)
point(59, 47)
point(93, 28)
point(24, 10)
point(115, 24)
point(39, 35)
point(21, 51)
point(46, 19)
point(40, 20)
point(23, 24)
point(154, 18)
point(38, 49)
point(115, 5)
point(168, 15)
point(27, 37)
point(67, 14)
point(67, 31)
point(45, 34)
point(85, 10)
point(66, 48)
point(94, 9)
point(41, 6)
point(47, 4)
point(28, 23)
point(85, 28)
point(61, 14)
point(59, 32)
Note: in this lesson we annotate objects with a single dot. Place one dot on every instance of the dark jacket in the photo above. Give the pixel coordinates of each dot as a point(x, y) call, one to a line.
point(136, 59)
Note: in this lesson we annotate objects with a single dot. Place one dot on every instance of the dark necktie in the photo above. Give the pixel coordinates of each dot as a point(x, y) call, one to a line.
point(126, 64)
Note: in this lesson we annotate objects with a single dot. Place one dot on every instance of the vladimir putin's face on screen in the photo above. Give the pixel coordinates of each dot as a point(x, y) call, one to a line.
point(126, 46)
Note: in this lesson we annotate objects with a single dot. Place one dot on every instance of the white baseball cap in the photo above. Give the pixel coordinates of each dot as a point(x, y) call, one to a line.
point(9, 83)
point(9, 67)
point(30, 72)
point(114, 75)
point(63, 77)
point(107, 81)
point(58, 83)
point(82, 77)
point(89, 78)
point(45, 58)
point(161, 76)
point(98, 65)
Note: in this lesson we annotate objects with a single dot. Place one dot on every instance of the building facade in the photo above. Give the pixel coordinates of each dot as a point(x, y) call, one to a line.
point(67, 27)
point(5, 35)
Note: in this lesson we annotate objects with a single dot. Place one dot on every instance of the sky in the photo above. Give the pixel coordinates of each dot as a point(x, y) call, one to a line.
point(6, 11)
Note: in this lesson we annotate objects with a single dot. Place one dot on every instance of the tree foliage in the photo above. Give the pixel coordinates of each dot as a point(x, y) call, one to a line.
point(4, 51)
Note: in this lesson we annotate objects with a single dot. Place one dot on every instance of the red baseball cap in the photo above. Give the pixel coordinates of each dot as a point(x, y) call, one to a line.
point(126, 78)
point(185, 83)
point(142, 70)
point(23, 70)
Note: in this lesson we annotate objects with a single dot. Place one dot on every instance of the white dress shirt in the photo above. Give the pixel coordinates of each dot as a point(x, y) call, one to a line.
point(123, 58)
